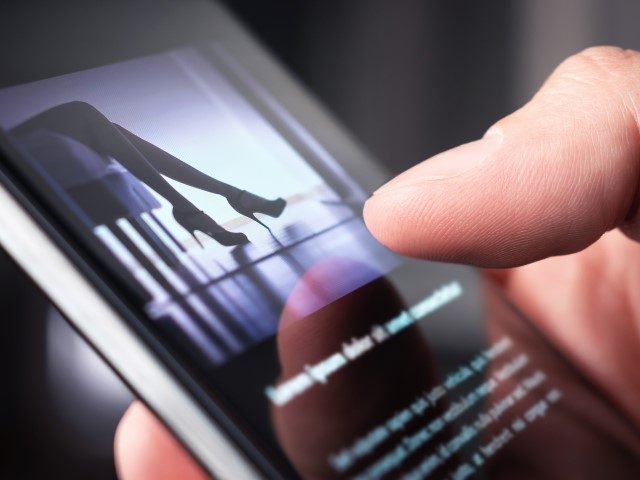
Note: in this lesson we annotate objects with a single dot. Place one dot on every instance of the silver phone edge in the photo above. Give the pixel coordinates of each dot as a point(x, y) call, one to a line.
point(107, 331)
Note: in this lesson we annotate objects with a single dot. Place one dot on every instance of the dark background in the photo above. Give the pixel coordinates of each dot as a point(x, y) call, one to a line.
point(408, 78)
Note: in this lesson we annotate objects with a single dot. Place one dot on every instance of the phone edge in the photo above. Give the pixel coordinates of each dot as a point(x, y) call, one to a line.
point(107, 332)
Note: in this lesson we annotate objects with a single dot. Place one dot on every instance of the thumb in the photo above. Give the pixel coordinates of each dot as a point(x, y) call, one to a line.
point(547, 180)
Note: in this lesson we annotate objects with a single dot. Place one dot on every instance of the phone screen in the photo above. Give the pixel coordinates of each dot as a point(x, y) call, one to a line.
point(238, 237)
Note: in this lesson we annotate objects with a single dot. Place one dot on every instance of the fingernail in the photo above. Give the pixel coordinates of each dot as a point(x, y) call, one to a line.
point(447, 164)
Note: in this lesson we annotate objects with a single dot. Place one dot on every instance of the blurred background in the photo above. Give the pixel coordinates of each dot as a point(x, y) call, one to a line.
point(408, 78)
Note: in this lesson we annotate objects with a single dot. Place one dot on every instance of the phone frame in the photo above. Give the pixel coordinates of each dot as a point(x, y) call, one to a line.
point(70, 277)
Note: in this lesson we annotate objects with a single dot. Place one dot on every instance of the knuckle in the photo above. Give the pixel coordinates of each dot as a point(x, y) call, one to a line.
point(604, 75)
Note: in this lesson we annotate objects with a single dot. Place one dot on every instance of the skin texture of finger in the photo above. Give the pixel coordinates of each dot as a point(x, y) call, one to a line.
point(550, 179)
point(145, 449)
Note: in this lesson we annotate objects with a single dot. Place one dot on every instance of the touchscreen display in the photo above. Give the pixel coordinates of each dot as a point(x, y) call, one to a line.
point(240, 240)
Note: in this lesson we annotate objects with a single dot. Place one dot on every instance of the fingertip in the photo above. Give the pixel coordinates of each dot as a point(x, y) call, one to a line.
point(407, 220)
point(429, 210)
point(383, 223)
point(374, 215)
point(145, 449)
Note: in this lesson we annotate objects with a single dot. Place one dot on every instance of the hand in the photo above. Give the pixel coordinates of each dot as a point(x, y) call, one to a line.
point(554, 186)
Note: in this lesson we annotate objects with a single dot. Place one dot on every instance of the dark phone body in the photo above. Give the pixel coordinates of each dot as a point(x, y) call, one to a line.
point(230, 412)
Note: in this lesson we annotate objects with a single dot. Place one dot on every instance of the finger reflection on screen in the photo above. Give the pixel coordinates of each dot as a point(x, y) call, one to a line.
point(314, 425)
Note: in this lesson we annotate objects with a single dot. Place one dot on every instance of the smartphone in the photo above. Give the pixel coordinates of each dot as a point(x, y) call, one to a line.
point(196, 216)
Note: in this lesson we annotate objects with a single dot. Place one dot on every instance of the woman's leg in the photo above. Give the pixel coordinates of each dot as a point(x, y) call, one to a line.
point(86, 124)
point(175, 168)
point(243, 202)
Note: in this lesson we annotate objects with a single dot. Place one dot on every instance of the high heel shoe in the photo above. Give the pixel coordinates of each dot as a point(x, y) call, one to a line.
point(193, 220)
point(248, 204)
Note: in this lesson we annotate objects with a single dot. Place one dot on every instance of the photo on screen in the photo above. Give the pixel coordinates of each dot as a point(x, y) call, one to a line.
point(213, 209)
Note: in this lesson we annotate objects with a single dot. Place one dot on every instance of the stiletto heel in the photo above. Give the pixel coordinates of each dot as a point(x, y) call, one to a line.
point(198, 220)
point(193, 234)
point(248, 204)
point(252, 216)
